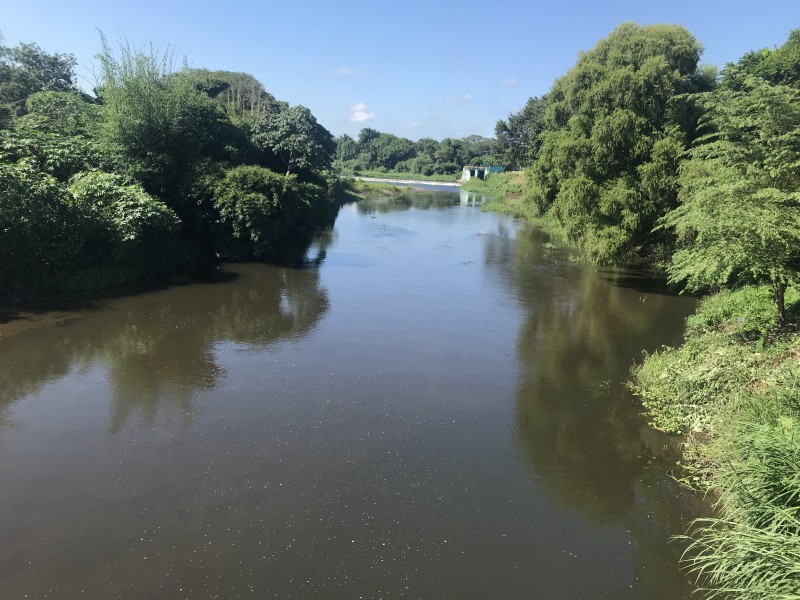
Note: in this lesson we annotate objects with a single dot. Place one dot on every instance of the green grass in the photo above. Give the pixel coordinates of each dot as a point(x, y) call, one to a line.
point(734, 388)
point(357, 189)
point(501, 186)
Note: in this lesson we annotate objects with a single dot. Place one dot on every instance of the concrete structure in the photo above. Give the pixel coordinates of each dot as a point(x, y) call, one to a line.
point(471, 171)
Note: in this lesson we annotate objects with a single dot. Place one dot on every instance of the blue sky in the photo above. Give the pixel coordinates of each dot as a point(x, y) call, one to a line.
point(415, 68)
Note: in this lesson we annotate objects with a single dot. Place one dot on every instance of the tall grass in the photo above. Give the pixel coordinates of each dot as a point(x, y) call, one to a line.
point(736, 382)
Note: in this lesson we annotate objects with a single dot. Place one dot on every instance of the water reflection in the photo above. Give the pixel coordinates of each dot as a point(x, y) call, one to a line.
point(576, 346)
point(158, 349)
point(467, 198)
point(407, 199)
point(575, 422)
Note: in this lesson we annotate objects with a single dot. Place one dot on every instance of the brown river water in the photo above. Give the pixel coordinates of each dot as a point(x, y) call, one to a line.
point(433, 406)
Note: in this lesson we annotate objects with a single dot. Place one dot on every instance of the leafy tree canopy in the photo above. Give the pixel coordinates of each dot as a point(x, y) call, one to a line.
point(241, 95)
point(518, 137)
point(739, 217)
point(297, 139)
point(778, 66)
point(615, 128)
point(28, 69)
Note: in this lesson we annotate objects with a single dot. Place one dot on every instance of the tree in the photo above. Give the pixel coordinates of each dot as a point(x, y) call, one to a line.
point(365, 137)
point(64, 113)
point(739, 217)
point(517, 139)
point(157, 123)
point(241, 95)
point(616, 127)
point(41, 231)
point(28, 69)
point(131, 215)
point(346, 147)
point(297, 139)
point(778, 66)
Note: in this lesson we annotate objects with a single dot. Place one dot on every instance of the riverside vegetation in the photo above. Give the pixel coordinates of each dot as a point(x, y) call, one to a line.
point(639, 151)
point(162, 170)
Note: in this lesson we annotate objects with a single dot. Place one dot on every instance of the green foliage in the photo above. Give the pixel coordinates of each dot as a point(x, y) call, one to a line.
point(147, 180)
point(33, 141)
point(377, 154)
point(156, 122)
point(743, 561)
point(41, 231)
point(743, 399)
point(738, 220)
point(257, 208)
point(65, 113)
point(683, 388)
point(28, 69)
point(614, 130)
point(778, 66)
point(241, 95)
point(132, 215)
point(518, 139)
point(498, 185)
point(297, 139)
point(745, 313)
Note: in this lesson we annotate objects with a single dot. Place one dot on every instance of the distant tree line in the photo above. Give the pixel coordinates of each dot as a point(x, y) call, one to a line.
point(387, 153)
point(162, 168)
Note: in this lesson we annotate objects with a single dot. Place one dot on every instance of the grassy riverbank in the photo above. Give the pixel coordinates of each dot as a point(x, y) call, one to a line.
point(358, 189)
point(508, 186)
point(733, 388)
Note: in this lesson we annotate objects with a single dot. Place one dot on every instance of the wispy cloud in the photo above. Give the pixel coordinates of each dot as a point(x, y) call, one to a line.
point(510, 82)
point(343, 71)
point(466, 97)
point(359, 113)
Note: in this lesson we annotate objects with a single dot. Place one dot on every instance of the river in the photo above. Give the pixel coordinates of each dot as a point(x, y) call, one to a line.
point(432, 406)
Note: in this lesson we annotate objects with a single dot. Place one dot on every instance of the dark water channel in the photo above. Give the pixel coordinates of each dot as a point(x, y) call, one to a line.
point(433, 408)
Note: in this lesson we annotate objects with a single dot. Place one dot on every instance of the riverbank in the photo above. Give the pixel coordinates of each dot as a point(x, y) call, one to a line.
point(393, 175)
point(733, 390)
point(392, 181)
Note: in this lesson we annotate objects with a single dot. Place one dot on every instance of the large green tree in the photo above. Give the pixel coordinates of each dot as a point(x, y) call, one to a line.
point(299, 141)
point(27, 69)
point(739, 217)
point(517, 138)
point(616, 127)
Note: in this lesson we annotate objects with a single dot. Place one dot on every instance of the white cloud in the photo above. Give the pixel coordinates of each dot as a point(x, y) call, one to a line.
point(466, 97)
point(508, 82)
point(343, 71)
point(359, 113)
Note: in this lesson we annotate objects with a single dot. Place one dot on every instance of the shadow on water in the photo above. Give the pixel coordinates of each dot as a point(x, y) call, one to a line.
point(159, 347)
point(576, 424)
point(303, 252)
point(30, 308)
point(641, 279)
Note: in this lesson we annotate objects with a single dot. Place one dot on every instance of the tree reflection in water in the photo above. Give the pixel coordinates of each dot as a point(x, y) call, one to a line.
point(577, 425)
point(158, 348)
